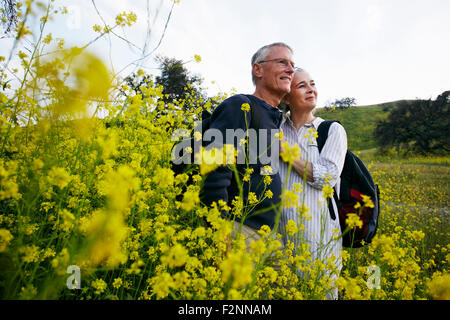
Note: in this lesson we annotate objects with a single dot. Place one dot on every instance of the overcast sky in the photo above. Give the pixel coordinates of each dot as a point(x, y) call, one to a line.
point(373, 50)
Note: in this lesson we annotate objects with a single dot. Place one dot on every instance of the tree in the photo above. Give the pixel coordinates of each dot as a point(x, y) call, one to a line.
point(420, 126)
point(341, 103)
point(175, 79)
point(181, 91)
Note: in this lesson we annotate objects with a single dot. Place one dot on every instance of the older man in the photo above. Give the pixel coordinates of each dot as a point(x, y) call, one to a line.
point(272, 70)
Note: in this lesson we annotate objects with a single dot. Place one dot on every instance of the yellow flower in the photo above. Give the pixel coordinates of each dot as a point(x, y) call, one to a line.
point(264, 230)
point(245, 107)
point(302, 208)
point(190, 199)
point(197, 136)
point(59, 177)
point(164, 178)
point(266, 170)
point(280, 135)
point(162, 284)
point(197, 58)
point(247, 174)
point(37, 164)
point(290, 199)
point(99, 285)
point(327, 191)
point(135, 267)
point(290, 154)
point(125, 19)
point(48, 253)
point(31, 228)
point(258, 247)
point(311, 134)
point(117, 283)
point(237, 267)
point(177, 256)
point(267, 180)
point(211, 159)
point(207, 160)
point(5, 239)
point(252, 198)
point(297, 187)
point(30, 253)
point(367, 201)
point(351, 287)
point(353, 221)
point(97, 28)
point(439, 286)
point(417, 235)
point(291, 228)
point(8, 185)
point(61, 262)
point(105, 233)
point(268, 194)
point(67, 220)
point(234, 294)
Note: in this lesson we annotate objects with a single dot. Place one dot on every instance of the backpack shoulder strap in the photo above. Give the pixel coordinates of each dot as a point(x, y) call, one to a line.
point(322, 132)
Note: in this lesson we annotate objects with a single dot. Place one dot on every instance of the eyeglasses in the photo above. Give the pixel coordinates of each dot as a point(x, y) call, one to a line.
point(283, 62)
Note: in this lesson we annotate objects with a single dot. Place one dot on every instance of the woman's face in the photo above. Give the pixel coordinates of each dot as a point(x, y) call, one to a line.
point(303, 92)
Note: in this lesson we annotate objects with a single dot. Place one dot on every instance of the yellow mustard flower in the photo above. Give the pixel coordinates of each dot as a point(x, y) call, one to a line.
point(245, 107)
point(353, 221)
point(290, 153)
point(177, 256)
point(291, 228)
point(290, 199)
point(99, 285)
point(439, 286)
point(197, 58)
point(190, 199)
point(327, 191)
point(5, 239)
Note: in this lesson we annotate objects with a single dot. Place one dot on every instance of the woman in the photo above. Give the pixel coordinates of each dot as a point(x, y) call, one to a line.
point(310, 173)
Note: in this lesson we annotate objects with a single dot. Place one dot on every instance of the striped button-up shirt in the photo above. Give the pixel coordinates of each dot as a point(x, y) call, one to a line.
point(320, 230)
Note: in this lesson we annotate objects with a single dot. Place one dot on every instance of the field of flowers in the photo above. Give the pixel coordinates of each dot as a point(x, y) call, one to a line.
point(89, 208)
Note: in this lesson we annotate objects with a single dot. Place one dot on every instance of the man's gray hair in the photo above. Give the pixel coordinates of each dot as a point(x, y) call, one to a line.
point(262, 53)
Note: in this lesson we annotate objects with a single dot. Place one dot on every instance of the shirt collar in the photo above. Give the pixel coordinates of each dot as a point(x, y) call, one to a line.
point(316, 122)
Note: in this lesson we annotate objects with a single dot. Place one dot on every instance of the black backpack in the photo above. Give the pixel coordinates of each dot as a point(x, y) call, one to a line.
point(355, 181)
point(205, 124)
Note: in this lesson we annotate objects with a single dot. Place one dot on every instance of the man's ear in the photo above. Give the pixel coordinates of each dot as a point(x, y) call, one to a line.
point(257, 70)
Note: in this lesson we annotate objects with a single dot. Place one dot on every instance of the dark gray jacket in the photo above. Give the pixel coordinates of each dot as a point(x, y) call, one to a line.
point(221, 183)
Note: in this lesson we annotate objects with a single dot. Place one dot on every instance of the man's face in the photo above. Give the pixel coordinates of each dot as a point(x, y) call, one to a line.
point(276, 70)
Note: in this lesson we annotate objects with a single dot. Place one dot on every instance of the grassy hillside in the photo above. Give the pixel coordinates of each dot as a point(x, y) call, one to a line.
point(359, 122)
